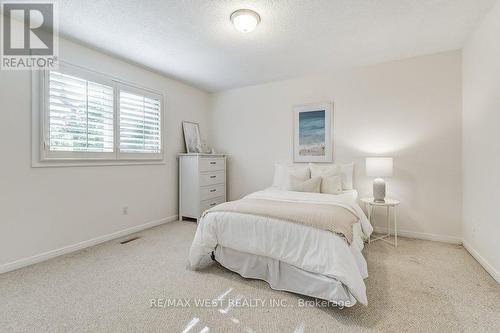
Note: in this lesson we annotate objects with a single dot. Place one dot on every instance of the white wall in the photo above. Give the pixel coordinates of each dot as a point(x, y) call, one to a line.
point(44, 209)
point(481, 142)
point(408, 109)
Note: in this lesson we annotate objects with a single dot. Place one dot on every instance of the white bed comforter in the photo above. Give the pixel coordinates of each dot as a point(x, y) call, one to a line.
point(313, 250)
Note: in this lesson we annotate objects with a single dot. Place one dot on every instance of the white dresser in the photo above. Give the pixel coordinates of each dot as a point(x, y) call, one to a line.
point(202, 183)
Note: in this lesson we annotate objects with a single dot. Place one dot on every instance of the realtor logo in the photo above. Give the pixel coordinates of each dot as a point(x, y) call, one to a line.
point(29, 35)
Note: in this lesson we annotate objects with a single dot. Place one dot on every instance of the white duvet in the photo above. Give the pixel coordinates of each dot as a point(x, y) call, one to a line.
point(313, 250)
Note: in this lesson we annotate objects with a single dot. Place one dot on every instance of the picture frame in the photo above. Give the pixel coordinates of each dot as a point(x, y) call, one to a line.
point(192, 137)
point(313, 133)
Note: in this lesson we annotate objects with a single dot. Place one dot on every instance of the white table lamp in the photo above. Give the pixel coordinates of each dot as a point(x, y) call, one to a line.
point(379, 167)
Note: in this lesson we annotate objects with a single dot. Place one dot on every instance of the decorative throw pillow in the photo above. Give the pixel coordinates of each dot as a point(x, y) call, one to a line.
point(331, 184)
point(299, 185)
point(331, 179)
point(345, 171)
point(282, 173)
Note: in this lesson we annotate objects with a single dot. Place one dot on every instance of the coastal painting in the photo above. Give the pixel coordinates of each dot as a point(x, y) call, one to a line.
point(313, 133)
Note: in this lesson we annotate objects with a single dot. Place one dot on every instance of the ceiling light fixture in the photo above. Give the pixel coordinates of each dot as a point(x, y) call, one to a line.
point(245, 20)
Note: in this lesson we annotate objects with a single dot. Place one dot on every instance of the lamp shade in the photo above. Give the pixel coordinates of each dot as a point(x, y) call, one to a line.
point(379, 166)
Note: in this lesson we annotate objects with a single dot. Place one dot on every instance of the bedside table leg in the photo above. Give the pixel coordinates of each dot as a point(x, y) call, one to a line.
point(388, 214)
point(395, 227)
point(369, 219)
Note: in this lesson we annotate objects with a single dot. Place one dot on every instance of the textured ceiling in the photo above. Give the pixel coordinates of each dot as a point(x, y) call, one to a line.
point(194, 41)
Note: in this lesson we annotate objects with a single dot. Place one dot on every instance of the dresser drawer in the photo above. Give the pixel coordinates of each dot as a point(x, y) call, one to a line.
point(212, 178)
point(210, 203)
point(209, 192)
point(211, 164)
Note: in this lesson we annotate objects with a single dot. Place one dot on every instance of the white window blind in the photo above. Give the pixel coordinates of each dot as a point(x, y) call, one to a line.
point(89, 118)
point(140, 123)
point(80, 115)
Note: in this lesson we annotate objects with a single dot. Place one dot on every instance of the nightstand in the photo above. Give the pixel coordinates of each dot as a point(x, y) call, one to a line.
point(391, 207)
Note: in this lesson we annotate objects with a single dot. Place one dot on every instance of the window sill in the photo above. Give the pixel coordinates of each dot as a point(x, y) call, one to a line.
point(92, 163)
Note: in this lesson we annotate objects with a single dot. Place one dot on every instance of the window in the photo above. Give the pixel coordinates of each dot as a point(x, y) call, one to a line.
point(140, 122)
point(80, 115)
point(89, 116)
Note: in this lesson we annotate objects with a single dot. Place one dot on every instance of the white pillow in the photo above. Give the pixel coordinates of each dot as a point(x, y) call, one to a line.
point(344, 170)
point(279, 175)
point(347, 171)
point(299, 185)
point(323, 169)
point(282, 173)
point(331, 180)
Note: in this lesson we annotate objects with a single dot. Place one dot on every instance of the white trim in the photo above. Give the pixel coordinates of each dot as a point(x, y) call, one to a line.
point(93, 163)
point(422, 235)
point(486, 265)
point(78, 246)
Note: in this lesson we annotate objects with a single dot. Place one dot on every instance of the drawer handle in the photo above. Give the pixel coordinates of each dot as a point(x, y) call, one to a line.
point(213, 176)
point(213, 204)
point(213, 190)
point(213, 162)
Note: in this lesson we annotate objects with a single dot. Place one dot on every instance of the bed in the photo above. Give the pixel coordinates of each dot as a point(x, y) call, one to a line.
point(289, 256)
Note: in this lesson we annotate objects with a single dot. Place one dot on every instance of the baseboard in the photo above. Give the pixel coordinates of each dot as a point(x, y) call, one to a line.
point(486, 265)
point(78, 246)
point(422, 235)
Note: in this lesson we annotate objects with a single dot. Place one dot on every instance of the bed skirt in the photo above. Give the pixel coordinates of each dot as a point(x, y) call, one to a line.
point(284, 277)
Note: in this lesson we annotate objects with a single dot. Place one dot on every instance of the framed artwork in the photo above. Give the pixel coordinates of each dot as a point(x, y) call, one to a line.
point(192, 136)
point(313, 127)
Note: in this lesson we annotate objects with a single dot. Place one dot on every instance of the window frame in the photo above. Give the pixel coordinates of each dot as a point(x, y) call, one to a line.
point(41, 154)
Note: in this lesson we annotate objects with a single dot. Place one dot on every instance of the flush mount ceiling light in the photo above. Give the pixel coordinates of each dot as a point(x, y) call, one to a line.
point(245, 20)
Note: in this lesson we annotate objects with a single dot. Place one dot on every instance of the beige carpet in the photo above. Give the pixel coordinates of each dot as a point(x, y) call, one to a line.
point(420, 286)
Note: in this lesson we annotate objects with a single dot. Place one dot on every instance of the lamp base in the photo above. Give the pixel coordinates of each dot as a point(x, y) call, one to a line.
point(379, 190)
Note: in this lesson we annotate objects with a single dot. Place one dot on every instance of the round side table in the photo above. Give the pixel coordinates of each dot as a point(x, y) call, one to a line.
point(391, 206)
